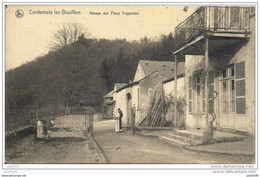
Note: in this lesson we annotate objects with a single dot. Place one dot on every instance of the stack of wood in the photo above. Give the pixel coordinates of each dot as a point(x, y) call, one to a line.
point(156, 115)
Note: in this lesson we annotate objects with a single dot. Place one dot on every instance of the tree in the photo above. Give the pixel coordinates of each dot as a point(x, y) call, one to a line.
point(122, 67)
point(68, 34)
point(105, 74)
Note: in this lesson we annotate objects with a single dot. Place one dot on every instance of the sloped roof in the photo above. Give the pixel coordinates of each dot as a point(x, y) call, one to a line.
point(133, 83)
point(164, 67)
point(172, 79)
point(119, 85)
point(110, 94)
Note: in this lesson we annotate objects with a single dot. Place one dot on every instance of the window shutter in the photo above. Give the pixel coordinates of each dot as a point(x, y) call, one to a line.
point(240, 70)
point(240, 88)
point(240, 85)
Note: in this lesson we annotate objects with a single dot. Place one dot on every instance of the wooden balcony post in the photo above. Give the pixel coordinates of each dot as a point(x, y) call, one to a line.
point(206, 70)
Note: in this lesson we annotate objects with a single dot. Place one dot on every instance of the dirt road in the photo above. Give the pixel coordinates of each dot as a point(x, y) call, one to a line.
point(27, 151)
point(124, 148)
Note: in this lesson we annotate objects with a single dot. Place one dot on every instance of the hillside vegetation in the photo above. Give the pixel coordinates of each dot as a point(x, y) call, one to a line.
point(80, 73)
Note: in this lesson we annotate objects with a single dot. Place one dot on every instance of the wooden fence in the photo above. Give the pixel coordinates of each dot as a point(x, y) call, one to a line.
point(75, 121)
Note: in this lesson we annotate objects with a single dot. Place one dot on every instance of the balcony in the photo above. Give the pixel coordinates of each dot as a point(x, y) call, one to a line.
point(214, 20)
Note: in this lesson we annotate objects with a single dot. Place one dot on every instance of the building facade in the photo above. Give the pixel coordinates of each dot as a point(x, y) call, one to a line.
point(108, 106)
point(218, 45)
point(152, 79)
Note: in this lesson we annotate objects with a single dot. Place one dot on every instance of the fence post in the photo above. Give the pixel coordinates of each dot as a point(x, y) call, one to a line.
point(91, 123)
point(85, 119)
point(37, 112)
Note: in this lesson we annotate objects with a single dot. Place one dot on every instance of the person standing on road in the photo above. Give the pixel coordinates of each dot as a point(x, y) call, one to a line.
point(118, 119)
point(116, 122)
point(120, 116)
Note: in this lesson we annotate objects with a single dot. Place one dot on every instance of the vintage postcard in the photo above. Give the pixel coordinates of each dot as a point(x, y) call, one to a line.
point(169, 85)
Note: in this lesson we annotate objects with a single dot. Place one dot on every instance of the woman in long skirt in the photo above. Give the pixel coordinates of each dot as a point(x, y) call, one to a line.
point(117, 125)
point(40, 130)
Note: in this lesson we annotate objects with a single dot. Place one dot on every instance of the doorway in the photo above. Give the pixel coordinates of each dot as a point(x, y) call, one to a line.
point(227, 99)
point(129, 109)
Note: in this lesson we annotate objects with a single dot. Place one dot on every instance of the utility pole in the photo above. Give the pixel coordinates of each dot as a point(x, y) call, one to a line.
point(175, 89)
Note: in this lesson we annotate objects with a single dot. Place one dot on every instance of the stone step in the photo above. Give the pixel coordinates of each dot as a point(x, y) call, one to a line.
point(172, 141)
point(184, 139)
point(192, 135)
point(228, 130)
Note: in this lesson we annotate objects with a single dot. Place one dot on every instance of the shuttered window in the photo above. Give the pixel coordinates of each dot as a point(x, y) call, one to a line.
point(240, 70)
point(240, 88)
point(241, 104)
point(240, 85)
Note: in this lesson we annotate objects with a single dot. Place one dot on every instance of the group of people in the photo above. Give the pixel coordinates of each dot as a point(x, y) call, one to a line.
point(118, 119)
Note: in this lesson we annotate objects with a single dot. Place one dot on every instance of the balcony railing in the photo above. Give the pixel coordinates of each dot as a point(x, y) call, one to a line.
point(215, 19)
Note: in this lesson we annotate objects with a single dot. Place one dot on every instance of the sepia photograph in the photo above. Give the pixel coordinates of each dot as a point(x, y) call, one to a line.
point(161, 84)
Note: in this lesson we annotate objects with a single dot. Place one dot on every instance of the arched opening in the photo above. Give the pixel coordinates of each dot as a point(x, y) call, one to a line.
point(129, 109)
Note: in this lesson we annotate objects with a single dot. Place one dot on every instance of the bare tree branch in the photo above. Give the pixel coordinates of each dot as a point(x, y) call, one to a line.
point(67, 34)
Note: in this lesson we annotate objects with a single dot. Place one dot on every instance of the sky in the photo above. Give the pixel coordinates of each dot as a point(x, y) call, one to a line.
point(29, 37)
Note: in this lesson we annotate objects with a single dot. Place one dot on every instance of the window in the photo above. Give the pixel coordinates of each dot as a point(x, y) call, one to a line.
point(224, 97)
point(197, 99)
point(198, 79)
point(232, 71)
point(228, 90)
point(228, 72)
point(224, 73)
point(200, 96)
point(232, 97)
